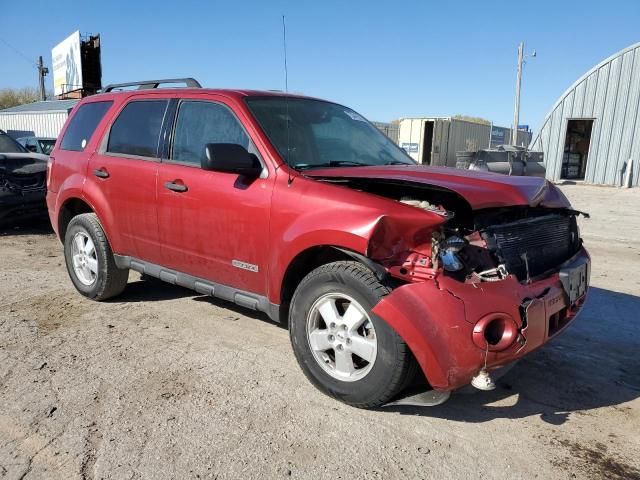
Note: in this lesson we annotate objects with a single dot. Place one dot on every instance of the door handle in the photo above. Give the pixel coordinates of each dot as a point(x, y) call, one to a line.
point(176, 187)
point(101, 173)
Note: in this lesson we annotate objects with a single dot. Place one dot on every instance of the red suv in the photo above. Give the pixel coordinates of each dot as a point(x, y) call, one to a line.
point(301, 209)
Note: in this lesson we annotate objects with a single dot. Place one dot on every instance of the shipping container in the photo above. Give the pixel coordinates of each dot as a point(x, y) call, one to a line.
point(435, 141)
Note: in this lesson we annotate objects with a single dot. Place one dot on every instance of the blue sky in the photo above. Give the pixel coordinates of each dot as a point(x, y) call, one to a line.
point(385, 59)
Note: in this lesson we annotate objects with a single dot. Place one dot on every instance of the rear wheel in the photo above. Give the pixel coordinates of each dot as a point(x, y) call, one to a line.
point(343, 348)
point(90, 261)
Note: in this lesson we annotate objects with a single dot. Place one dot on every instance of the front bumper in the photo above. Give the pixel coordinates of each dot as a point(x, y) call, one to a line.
point(16, 206)
point(440, 320)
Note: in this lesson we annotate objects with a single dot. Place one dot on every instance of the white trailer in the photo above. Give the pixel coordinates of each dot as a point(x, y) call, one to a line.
point(435, 141)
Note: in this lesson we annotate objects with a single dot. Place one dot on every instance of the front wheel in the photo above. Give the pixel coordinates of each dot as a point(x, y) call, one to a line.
point(90, 261)
point(344, 349)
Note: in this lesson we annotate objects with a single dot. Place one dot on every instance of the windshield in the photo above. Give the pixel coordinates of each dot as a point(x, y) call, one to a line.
point(323, 134)
point(9, 145)
point(46, 145)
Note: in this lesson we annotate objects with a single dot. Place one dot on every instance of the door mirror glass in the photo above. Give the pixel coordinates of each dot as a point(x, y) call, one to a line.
point(231, 158)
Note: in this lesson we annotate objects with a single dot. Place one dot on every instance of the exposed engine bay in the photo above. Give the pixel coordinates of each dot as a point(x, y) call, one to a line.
point(484, 245)
point(527, 242)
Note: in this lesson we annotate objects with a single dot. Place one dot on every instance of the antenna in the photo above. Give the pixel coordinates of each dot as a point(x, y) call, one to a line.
point(286, 90)
point(284, 44)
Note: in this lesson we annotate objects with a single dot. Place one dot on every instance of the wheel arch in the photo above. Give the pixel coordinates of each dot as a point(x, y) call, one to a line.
point(310, 259)
point(77, 204)
point(71, 207)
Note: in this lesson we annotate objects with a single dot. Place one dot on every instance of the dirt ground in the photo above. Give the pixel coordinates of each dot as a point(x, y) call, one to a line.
point(164, 383)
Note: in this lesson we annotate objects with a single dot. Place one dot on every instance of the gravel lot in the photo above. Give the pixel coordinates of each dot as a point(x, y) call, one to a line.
point(163, 383)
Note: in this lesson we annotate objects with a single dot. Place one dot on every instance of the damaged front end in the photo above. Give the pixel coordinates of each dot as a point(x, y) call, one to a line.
point(529, 243)
point(477, 288)
point(22, 186)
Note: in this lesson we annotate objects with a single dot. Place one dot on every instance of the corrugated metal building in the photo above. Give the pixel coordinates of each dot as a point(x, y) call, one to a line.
point(435, 141)
point(42, 119)
point(594, 128)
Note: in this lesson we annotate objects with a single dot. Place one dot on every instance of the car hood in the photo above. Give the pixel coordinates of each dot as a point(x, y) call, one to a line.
point(479, 189)
point(23, 163)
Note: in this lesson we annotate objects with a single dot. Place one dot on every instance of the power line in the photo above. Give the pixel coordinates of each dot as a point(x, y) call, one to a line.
point(18, 52)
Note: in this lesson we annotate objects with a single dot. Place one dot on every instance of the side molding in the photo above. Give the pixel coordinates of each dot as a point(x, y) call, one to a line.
point(205, 287)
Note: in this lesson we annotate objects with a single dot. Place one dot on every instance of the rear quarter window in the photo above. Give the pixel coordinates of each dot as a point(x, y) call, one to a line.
point(83, 124)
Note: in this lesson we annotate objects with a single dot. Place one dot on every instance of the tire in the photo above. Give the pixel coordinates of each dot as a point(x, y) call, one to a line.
point(365, 383)
point(94, 274)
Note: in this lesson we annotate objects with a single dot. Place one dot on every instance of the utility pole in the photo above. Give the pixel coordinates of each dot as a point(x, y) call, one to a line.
point(516, 110)
point(42, 71)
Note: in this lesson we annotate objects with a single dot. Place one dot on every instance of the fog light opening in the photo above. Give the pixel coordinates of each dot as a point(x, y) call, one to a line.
point(494, 331)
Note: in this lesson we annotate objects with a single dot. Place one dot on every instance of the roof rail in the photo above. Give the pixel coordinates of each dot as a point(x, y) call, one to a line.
point(146, 84)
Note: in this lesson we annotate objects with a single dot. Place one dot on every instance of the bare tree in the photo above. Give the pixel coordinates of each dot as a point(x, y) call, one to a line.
point(468, 118)
point(10, 97)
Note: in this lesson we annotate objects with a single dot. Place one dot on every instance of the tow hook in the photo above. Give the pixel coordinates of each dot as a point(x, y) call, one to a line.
point(483, 381)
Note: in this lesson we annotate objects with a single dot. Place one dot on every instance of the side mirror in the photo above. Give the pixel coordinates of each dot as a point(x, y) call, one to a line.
point(230, 158)
point(32, 148)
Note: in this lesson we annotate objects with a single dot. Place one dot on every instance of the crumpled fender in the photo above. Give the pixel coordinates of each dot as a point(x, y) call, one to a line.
point(313, 214)
point(408, 230)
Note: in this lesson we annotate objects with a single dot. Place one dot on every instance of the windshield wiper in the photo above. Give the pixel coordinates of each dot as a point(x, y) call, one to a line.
point(396, 162)
point(340, 163)
point(332, 163)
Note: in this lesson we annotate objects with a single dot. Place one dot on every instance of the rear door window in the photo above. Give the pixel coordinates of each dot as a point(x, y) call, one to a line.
point(83, 124)
point(136, 131)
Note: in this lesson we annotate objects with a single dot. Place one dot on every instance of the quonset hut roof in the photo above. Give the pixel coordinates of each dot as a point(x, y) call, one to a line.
point(609, 93)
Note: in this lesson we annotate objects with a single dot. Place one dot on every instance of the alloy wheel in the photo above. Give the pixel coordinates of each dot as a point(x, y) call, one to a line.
point(342, 337)
point(85, 259)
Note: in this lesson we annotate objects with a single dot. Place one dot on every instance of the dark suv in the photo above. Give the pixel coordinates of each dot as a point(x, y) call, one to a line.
point(22, 182)
point(300, 208)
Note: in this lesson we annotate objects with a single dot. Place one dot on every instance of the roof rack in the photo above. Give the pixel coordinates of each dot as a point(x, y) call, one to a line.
point(147, 84)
